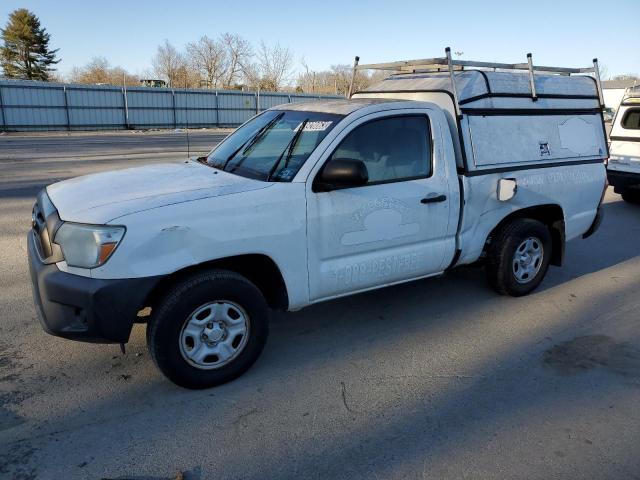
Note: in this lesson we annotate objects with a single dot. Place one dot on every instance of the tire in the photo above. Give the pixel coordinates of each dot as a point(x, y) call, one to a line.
point(631, 196)
point(217, 302)
point(505, 274)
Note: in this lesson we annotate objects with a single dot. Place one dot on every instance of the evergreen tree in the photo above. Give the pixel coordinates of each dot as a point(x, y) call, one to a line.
point(25, 51)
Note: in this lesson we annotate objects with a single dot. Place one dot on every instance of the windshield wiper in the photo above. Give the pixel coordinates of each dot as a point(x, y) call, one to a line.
point(250, 142)
point(289, 149)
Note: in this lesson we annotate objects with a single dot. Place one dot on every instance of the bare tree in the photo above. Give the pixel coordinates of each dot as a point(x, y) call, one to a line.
point(251, 75)
point(239, 54)
point(275, 65)
point(603, 70)
point(168, 62)
point(626, 76)
point(307, 81)
point(96, 71)
point(209, 58)
point(186, 78)
point(342, 78)
point(336, 81)
point(99, 70)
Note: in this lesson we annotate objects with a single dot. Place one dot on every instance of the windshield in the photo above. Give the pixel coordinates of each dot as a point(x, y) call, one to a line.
point(274, 145)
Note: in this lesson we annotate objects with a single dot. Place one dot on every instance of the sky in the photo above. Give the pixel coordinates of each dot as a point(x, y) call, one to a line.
point(329, 32)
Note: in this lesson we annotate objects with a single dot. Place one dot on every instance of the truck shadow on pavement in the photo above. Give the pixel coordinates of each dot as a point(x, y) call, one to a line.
point(351, 363)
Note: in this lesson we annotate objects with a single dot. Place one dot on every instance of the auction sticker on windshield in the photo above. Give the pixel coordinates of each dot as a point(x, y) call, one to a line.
point(314, 126)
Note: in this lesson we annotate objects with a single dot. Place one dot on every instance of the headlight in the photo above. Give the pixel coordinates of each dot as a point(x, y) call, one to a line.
point(87, 246)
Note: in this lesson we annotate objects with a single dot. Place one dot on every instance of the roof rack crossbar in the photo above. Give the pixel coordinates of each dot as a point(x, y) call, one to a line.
point(447, 64)
point(404, 63)
point(432, 63)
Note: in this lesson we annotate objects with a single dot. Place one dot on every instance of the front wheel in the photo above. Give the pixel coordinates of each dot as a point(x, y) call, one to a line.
point(518, 257)
point(209, 329)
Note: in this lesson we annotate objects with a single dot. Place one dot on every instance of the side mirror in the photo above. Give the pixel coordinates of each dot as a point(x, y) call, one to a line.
point(341, 173)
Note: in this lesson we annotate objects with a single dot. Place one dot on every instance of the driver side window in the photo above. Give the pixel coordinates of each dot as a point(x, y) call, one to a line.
point(393, 149)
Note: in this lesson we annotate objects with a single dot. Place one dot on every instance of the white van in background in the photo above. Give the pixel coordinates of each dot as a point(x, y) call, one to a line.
point(623, 170)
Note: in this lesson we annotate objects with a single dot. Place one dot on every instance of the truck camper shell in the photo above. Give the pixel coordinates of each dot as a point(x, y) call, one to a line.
point(623, 169)
point(505, 116)
point(630, 102)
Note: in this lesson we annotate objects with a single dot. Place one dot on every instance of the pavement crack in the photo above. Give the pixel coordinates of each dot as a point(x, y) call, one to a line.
point(344, 398)
point(244, 415)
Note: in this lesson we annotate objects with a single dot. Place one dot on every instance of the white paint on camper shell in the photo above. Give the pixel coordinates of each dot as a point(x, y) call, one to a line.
point(579, 136)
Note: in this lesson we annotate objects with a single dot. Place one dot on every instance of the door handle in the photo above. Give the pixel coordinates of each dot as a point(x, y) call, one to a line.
point(434, 199)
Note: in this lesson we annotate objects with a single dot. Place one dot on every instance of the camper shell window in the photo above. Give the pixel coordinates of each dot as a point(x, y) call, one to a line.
point(631, 119)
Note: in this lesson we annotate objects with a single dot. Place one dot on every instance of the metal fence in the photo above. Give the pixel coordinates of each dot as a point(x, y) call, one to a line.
point(32, 106)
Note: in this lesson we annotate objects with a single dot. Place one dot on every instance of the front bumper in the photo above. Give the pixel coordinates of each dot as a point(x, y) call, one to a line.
point(82, 308)
point(622, 181)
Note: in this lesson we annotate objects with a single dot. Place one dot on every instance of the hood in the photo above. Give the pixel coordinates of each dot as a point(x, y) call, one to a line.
point(103, 197)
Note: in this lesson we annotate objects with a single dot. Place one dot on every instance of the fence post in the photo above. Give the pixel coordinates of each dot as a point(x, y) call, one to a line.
point(258, 101)
point(173, 102)
point(289, 98)
point(4, 118)
point(217, 110)
point(66, 107)
point(126, 107)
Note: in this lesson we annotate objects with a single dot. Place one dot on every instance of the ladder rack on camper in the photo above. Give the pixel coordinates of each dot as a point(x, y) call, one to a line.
point(447, 64)
point(631, 95)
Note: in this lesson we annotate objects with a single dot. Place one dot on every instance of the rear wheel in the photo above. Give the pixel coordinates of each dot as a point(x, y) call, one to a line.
point(209, 329)
point(631, 196)
point(518, 257)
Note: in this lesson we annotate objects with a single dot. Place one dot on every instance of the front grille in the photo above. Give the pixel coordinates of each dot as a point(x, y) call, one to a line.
point(44, 223)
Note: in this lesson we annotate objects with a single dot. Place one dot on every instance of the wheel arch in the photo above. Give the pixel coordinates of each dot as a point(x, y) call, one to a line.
point(551, 215)
point(259, 269)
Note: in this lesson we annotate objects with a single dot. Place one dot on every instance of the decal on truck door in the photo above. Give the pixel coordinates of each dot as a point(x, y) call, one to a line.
point(384, 224)
point(377, 270)
point(380, 219)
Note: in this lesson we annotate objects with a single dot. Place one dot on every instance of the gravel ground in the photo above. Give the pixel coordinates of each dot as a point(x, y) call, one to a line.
point(438, 378)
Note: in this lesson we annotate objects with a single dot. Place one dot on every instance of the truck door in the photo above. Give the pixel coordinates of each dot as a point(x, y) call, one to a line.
point(395, 227)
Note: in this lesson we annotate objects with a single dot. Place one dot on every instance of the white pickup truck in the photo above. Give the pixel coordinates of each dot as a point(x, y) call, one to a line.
point(307, 202)
point(623, 168)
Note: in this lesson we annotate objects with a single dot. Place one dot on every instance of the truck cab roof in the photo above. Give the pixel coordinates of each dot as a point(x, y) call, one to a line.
point(340, 106)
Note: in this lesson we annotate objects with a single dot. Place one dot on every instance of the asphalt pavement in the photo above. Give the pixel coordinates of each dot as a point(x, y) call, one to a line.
point(439, 378)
